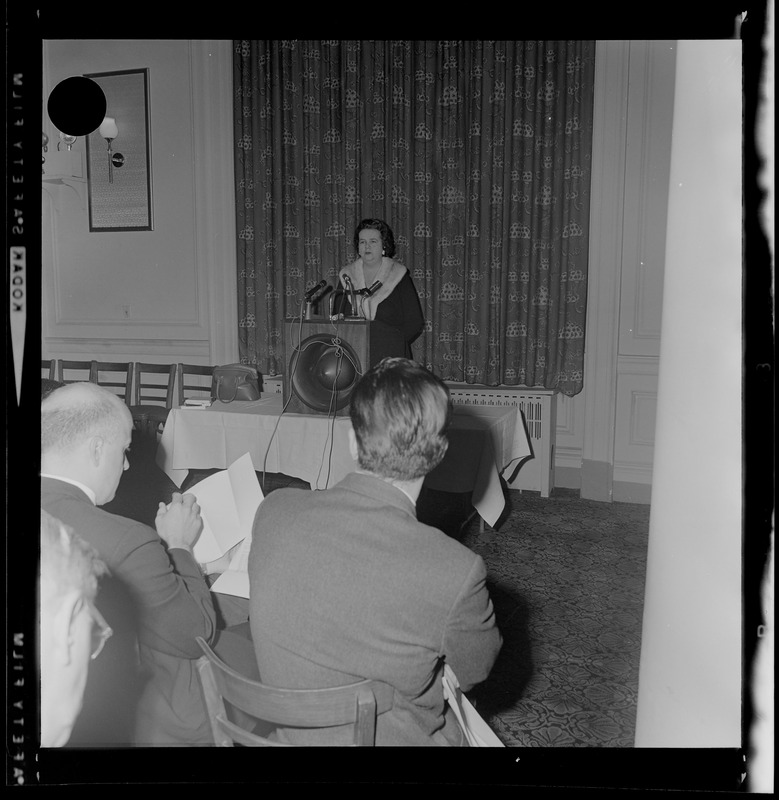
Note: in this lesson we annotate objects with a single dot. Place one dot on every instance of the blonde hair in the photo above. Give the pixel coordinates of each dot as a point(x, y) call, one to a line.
point(67, 562)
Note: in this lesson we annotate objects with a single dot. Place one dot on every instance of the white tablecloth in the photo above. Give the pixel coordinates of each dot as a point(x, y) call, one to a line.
point(483, 441)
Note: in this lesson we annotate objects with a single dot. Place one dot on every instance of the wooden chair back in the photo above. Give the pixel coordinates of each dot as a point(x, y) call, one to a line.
point(117, 376)
point(48, 369)
point(188, 387)
point(66, 367)
point(358, 704)
point(149, 391)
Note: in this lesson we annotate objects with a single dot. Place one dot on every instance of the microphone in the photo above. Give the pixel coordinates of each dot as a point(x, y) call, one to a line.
point(320, 293)
point(374, 287)
point(314, 289)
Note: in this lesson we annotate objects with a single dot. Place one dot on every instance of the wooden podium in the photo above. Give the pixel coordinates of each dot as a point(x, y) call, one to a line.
point(325, 360)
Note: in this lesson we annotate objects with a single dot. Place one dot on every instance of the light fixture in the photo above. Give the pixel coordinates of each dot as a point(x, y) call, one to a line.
point(67, 139)
point(109, 132)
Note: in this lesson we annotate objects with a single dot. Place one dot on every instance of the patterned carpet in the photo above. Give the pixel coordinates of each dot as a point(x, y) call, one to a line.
point(567, 580)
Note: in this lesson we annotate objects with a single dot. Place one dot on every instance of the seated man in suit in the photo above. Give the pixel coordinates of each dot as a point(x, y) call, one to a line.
point(346, 584)
point(72, 632)
point(144, 690)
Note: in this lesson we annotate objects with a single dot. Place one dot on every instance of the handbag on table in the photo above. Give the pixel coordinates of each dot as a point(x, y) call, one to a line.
point(235, 382)
point(476, 730)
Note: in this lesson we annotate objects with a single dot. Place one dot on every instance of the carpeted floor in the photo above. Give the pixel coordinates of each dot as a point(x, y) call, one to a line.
point(566, 577)
point(567, 580)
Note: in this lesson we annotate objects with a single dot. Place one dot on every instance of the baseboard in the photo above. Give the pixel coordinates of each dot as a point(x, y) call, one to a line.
point(625, 492)
point(567, 477)
point(622, 491)
point(597, 480)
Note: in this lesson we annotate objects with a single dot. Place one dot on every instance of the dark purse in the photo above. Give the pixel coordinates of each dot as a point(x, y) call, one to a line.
point(235, 382)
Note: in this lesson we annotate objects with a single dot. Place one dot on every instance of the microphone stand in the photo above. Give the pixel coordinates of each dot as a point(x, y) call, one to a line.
point(352, 296)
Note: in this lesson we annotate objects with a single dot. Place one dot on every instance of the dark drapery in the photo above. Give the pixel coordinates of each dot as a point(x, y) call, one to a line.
point(478, 155)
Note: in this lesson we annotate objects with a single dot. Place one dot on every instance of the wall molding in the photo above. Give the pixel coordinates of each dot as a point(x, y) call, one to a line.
point(633, 472)
point(650, 119)
point(568, 457)
point(134, 349)
point(565, 418)
point(638, 365)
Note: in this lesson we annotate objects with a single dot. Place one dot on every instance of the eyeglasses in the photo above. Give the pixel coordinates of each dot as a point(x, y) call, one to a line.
point(101, 631)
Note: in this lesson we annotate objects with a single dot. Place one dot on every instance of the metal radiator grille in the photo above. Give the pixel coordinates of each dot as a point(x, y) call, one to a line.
point(537, 407)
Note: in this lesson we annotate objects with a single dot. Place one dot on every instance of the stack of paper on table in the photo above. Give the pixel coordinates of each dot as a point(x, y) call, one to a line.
point(192, 402)
point(228, 501)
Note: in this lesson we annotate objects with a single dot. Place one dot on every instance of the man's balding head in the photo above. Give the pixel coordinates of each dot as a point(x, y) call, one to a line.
point(85, 432)
point(76, 411)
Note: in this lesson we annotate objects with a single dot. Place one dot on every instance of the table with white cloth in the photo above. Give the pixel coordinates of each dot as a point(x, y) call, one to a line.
point(484, 441)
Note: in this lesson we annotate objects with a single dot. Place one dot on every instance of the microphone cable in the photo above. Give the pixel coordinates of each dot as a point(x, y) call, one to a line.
point(341, 353)
point(284, 407)
point(332, 413)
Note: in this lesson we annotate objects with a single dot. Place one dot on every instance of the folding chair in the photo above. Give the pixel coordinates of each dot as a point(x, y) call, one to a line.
point(191, 380)
point(116, 376)
point(66, 368)
point(152, 399)
point(358, 704)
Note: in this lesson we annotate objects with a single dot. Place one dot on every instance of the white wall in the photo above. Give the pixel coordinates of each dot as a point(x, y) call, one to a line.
point(690, 675)
point(166, 294)
point(605, 435)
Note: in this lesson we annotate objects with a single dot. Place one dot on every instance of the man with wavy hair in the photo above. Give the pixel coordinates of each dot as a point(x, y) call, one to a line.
point(347, 584)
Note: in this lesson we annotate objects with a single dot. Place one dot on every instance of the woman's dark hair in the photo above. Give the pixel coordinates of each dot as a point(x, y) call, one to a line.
point(387, 238)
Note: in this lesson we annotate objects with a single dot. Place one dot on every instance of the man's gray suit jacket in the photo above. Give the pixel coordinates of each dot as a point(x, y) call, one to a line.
point(346, 584)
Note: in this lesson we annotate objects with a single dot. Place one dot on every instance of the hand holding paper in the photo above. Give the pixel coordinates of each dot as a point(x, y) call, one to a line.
point(179, 522)
point(228, 501)
point(235, 580)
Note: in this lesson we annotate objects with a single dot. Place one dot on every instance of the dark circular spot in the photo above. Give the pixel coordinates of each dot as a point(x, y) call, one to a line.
point(77, 106)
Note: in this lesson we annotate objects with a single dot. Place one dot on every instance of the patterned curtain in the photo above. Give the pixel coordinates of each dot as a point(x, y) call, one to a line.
point(476, 153)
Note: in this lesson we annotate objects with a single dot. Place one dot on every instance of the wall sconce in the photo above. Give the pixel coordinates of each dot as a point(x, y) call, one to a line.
point(67, 139)
point(109, 132)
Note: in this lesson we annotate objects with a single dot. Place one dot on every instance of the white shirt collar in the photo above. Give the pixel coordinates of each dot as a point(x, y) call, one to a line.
point(87, 491)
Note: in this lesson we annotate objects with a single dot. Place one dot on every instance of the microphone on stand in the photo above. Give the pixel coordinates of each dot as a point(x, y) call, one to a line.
point(314, 289)
point(374, 287)
point(352, 301)
point(315, 298)
point(314, 295)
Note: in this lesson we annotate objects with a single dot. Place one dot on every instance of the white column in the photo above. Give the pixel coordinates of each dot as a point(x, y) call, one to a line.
point(212, 92)
point(690, 675)
point(612, 60)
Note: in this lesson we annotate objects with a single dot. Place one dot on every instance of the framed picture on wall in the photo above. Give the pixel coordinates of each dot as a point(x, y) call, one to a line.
point(119, 155)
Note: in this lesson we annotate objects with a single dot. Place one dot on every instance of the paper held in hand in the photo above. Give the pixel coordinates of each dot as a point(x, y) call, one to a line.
point(235, 579)
point(228, 501)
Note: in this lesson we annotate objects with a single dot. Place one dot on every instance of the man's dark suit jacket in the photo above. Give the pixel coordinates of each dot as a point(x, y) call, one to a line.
point(346, 584)
point(157, 594)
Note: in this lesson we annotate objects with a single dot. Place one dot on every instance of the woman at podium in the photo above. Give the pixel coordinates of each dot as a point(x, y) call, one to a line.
point(378, 288)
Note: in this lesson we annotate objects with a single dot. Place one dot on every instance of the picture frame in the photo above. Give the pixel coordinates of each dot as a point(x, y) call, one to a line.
point(119, 172)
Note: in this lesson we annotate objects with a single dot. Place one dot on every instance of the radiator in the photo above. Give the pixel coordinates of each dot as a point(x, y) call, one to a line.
point(539, 416)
